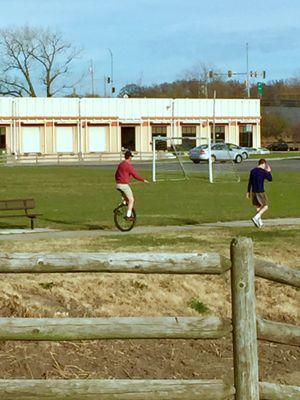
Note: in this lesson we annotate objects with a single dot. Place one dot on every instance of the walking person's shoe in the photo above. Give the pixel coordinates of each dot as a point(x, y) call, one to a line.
point(255, 220)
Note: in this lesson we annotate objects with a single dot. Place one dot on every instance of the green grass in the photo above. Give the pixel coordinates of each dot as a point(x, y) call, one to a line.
point(84, 197)
point(198, 306)
point(277, 154)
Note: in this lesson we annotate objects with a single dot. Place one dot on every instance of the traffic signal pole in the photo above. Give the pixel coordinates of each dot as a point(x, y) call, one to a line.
point(247, 74)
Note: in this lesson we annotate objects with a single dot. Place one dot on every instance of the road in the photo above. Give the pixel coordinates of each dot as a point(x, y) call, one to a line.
point(283, 165)
point(278, 165)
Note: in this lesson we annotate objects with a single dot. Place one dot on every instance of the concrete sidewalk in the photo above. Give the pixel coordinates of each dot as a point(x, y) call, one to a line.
point(29, 235)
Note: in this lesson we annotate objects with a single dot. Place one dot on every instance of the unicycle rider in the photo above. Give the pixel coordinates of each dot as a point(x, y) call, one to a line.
point(125, 171)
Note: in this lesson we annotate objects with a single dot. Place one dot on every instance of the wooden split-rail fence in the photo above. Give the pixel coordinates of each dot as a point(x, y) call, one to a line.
point(245, 327)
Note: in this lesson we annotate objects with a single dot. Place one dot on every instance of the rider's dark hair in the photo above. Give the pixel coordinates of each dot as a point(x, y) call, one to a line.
point(127, 154)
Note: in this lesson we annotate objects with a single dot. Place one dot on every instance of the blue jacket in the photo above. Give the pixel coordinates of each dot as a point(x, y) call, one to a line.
point(256, 179)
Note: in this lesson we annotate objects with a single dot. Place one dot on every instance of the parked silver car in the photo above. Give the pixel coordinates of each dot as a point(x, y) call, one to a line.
point(219, 152)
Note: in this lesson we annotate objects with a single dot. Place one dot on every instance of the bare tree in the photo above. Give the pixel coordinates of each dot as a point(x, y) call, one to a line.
point(33, 61)
point(199, 74)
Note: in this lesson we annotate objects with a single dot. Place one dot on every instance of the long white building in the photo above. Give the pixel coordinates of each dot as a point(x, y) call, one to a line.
point(47, 127)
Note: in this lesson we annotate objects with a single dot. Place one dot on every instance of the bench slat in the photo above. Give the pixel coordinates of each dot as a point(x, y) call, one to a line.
point(17, 204)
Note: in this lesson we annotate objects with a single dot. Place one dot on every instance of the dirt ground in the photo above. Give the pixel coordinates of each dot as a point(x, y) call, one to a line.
point(101, 295)
point(135, 359)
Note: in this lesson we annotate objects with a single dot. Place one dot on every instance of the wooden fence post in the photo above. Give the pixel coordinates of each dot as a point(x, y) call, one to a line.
point(244, 320)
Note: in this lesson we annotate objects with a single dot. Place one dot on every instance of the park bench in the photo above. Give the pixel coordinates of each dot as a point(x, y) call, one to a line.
point(17, 205)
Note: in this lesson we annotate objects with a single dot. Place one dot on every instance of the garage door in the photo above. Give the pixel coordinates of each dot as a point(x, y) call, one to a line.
point(31, 139)
point(64, 139)
point(97, 138)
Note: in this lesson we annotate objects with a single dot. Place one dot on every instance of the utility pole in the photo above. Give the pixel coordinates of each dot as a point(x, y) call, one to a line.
point(91, 70)
point(214, 117)
point(110, 79)
point(247, 68)
point(104, 85)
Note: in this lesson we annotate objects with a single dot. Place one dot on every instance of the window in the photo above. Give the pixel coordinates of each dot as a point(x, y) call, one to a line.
point(246, 135)
point(218, 147)
point(220, 133)
point(160, 130)
point(188, 131)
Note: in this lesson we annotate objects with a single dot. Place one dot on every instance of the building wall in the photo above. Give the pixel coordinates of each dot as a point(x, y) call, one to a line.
point(83, 119)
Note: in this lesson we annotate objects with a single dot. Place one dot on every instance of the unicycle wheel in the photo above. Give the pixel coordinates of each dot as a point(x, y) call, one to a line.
point(120, 214)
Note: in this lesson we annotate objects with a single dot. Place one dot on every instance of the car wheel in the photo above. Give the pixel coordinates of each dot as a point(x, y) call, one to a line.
point(238, 159)
point(245, 155)
point(196, 161)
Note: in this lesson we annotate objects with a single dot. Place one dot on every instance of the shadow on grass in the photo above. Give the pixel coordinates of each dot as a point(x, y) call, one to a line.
point(14, 226)
point(76, 224)
point(178, 221)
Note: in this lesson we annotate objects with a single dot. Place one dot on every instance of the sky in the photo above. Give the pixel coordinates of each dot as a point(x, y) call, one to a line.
point(154, 41)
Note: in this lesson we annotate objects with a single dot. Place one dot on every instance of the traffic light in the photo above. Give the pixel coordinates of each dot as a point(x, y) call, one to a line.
point(108, 79)
point(211, 74)
point(113, 89)
point(260, 88)
point(264, 74)
point(229, 74)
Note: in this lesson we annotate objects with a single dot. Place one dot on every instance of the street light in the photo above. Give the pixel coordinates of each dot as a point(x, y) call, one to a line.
point(110, 80)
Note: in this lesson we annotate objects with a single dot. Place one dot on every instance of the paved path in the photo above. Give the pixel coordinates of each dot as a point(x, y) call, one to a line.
point(28, 235)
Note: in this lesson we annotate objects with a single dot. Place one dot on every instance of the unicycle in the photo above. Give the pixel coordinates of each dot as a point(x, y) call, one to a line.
point(120, 214)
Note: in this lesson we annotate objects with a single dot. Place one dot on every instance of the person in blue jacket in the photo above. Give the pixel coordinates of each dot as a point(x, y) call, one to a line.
point(256, 190)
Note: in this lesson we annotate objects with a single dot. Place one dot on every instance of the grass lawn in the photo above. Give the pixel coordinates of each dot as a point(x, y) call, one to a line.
point(84, 197)
point(276, 154)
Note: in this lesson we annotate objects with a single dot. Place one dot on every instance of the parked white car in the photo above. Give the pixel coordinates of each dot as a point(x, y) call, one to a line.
point(262, 150)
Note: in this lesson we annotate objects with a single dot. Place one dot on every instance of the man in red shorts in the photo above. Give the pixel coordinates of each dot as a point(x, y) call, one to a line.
point(257, 191)
point(123, 176)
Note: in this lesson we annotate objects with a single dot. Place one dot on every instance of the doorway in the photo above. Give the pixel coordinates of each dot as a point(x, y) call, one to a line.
point(246, 135)
point(128, 137)
point(2, 138)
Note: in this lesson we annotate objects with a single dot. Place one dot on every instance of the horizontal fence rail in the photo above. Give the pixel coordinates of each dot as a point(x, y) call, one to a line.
point(98, 389)
point(277, 273)
point(145, 263)
point(78, 389)
point(278, 332)
point(160, 263)
point(273, 391)
point(211, 327)
point(61, 329)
